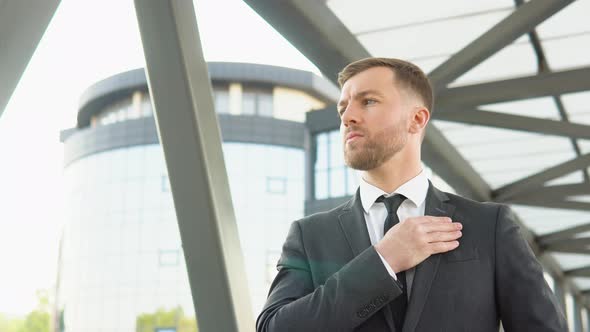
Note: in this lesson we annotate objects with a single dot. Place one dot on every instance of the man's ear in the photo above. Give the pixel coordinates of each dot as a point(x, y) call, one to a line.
point(419, 119)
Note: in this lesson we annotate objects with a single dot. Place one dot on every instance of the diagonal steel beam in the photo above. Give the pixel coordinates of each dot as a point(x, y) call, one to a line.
point(22, 25)
point(317, 33)
point(569, 245)
point(557, 192)
point(545, 84)
point(516, 122)
point(564, 234)
point(314, 30)
point(546, 202)
point(579, 272)
point(521, 21)
point(536, 180)
point(188, 129)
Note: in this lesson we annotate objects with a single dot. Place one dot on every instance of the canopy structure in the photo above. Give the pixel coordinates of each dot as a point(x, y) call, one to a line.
point(512, 116)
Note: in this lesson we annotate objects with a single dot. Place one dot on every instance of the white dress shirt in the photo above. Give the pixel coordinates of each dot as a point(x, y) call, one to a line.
point(375, 213)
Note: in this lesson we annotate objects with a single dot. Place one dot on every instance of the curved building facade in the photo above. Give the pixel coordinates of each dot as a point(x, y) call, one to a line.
point(121, 260)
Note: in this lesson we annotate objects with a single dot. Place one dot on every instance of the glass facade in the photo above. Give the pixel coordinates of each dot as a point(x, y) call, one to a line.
point(135, 106)
point(257, 102)
point(221, 99)
point(122, 257)
point(332, 178)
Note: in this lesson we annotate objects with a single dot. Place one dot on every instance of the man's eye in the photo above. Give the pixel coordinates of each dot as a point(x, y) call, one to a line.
point(370, 101)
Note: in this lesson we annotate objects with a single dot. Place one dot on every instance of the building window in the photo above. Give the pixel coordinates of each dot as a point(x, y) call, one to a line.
point(221, 99)
point(137, 105)
point(257, 102)
point(332, 178)
point(169, 257)
point(275, 185)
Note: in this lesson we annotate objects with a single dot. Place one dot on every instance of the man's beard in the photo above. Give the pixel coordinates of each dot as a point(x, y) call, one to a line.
point(376, 149)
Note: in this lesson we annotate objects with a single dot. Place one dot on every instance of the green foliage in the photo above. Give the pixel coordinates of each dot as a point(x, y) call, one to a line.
point(36, 321)
point(10, 324)
point(148, 322)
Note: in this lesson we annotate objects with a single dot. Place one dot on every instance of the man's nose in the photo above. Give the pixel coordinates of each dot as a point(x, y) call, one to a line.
point(350, 115)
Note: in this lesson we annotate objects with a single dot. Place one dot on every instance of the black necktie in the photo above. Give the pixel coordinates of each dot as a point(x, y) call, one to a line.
point(400, 304)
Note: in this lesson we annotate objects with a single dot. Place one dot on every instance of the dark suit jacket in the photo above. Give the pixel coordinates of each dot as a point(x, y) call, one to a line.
point(330, 278)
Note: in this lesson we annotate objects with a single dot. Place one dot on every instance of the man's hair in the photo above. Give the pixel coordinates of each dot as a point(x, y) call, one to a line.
point(407, 75)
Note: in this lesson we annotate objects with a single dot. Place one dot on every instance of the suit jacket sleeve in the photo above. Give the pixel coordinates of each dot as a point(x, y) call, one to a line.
point(526, 303)
point(345, 300)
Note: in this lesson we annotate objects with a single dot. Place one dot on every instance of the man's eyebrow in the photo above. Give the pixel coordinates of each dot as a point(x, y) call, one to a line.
point(360, 95)
point(367, 92)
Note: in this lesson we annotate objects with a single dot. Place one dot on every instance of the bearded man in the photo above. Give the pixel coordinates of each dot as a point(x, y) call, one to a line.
point(402, 255)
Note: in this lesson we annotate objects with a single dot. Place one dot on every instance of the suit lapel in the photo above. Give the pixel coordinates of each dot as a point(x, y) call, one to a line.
point(354, 227)
point(352, 221)
point(426, 271)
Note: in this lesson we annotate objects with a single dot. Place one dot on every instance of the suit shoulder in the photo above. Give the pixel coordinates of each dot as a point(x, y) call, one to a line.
point(323, 217)
point(466, 204)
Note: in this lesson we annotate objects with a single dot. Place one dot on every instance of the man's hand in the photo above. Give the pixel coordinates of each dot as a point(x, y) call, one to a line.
point(413, 240)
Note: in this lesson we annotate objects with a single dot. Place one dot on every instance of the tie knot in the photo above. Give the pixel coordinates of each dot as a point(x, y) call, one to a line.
point(392, 203)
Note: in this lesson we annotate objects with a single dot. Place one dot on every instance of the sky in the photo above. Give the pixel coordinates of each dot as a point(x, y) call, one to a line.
point(85, 42)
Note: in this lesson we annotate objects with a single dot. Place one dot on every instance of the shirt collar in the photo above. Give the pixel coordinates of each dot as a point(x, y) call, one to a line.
point(415, 190)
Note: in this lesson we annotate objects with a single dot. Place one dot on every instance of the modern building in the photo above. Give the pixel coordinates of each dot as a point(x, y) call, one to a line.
point(121, 254)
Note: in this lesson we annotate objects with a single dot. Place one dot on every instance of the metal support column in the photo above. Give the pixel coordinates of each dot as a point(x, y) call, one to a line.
point(578, 307)
point(188, 129)
point(560, 291)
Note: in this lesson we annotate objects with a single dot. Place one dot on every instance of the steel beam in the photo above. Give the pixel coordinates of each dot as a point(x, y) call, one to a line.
point(579, 272)
point(22, 25)
point(577, 312)
point(516, 122)
point(313, 29)
point(540, 85)
point(568, 233)
point(189, 133)
point(549, 202)
point(557, 192)
point(521, 21)
point(572, 244)
point(536, 180)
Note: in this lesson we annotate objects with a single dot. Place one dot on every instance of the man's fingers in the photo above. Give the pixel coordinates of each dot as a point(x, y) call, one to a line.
point(429, 219)
point(441, 227)
point(443, 236)
point(440, 247)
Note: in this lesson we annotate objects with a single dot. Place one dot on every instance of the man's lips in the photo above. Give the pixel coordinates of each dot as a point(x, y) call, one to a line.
point(353, 135)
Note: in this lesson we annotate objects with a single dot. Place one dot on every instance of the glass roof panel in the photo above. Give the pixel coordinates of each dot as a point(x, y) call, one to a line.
point(572, 261)
point(516, 59)
point(502, 156)
point(544, 220)
point(572, 19)
point(577, 103)
point(535, 107)
point(385, 13)
point(568, 52)
point(582, 283)
point(575, 177)
point(438, 38)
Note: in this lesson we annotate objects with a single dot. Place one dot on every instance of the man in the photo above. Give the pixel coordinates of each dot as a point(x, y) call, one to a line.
point(445, 263)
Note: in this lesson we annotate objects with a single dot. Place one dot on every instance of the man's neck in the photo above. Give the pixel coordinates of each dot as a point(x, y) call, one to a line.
point(393, 173)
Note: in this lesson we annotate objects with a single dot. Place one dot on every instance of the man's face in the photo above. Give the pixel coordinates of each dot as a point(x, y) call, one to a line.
point(374, 118)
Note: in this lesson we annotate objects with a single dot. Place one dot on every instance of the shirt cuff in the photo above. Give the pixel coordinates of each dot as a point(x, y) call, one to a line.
point(387, 267)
